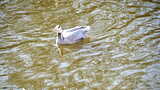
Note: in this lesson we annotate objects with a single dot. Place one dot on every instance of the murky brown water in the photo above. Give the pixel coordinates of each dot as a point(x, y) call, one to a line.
point(123, 52)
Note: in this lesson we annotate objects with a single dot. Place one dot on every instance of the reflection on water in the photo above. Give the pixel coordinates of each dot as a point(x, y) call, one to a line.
point(123, 51)
point(64, 49)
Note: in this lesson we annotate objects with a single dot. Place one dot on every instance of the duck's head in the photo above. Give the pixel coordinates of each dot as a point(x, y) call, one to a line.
point(58, 29)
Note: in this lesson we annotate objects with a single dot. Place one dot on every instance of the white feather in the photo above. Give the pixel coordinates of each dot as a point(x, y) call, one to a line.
point(70, 36)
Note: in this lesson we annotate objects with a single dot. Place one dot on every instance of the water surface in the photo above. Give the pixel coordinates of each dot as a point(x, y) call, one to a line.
point(123, 52)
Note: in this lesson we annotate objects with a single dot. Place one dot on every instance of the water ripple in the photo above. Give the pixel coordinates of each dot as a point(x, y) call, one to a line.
point(122, 51)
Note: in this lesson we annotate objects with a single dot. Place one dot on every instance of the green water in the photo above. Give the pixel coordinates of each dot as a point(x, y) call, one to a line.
point(122, 53)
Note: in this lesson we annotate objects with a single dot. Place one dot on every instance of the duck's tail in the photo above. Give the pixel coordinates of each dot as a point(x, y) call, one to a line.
point(87, 28)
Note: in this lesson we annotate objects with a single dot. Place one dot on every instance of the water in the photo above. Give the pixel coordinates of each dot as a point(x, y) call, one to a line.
point(123, 52)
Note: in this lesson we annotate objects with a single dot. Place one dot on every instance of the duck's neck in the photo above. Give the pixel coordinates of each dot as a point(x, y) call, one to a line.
point(60, 36)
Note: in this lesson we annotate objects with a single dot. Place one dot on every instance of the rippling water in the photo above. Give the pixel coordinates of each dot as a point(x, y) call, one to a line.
point(123, 52)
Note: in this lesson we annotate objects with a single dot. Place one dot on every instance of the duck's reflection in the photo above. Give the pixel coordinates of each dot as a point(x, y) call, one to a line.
point(68, 48)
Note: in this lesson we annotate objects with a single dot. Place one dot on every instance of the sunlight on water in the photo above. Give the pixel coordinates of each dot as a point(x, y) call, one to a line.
point(121, 53)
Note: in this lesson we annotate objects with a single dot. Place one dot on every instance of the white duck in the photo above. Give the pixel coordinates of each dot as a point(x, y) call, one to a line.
point(72, 35)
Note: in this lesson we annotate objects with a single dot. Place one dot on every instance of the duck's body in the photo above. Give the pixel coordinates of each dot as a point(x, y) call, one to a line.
point(70, 36)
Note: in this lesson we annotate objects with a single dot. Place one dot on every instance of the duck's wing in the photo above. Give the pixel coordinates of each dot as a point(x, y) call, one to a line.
point(77, 28)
